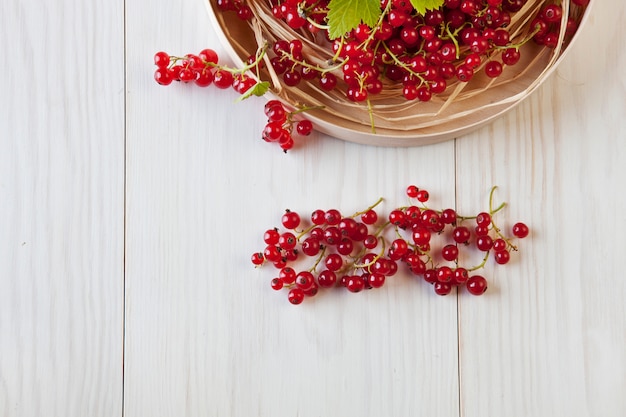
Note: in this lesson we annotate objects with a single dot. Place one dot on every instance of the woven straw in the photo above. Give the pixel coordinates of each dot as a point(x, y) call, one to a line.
point(393, 120)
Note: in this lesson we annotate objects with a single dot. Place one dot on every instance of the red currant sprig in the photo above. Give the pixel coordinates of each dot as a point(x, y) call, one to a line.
point(204, 70)
point(363, 250)
point(280, 124)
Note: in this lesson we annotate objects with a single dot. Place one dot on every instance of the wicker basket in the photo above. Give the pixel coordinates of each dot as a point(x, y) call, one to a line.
point(462, 108)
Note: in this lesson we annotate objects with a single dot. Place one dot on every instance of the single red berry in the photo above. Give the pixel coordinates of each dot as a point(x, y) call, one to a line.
point(276, 284)
point(355, 283)
point(484, 243)
point(442, 288)
point(333, 262)
point(272, 253)
point(448, 216)
point(208, 56)
point(305, 280)
point(287, 275)
point(161, 59)
point(333, 217)
point(502, 257)
point(450, 252)
point(271, 237)
point(483, 219)
point(222, 79)
point(369, 217)
point(327, 279)
point(520, 230)
point(163, 76)
point(461, 276)
point(290, 219)
point(304, 127)
point(444, 274)
point(499, 245)
point(318, 217)
point(461, 234)
point(376, 280)
point(422, 196)
point(411, 191)
point(430, 276)
point(258, 258)
point(397, 218)
point(287, 241)
point(476, 285)
point(310, 246)
point(421, 236)
point(295, 296)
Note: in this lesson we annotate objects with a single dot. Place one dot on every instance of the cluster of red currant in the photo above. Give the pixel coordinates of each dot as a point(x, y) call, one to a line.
point(362, 250)
point(280, 125)
point(203, 70)
point(424, 54)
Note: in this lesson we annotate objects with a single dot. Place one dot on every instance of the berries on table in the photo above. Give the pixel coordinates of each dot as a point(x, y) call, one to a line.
point(363, 251)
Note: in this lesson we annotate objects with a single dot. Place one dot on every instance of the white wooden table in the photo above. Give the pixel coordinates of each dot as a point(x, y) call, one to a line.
point(128, 213)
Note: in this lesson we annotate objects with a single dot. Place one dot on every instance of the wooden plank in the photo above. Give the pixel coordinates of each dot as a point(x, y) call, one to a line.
point(205, 333)
point(61, 208)
point(549, 336)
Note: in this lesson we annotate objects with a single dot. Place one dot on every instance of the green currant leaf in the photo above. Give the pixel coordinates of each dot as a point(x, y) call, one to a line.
point(422, 5)
point(258, 90)
point(345, 15)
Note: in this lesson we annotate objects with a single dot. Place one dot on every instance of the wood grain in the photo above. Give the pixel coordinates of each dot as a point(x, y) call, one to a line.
point(61, 209)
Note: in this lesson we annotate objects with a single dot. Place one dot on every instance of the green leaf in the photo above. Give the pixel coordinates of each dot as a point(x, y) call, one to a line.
point(258, 90)
point(422, 5)
point(345, 15)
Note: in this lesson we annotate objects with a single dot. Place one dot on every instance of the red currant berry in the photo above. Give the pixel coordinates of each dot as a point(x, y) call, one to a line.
point(290, 219)
point(208, 56)
point(355, 283)
point(461, 234)
point(287, 241)
point(442, 288)
point(223, 79)
point(499, 245)
point(476, 285)
point(448, 216)
point(333, 217)
point(304, 127)
point(305, 280)
point(483, 219)
point(461, 276)
point(493, 69)
point(369, 217)
point(161, 59)
point(520, 230)
point(327, 279)
point(484, 243)
point(444, 274)
point(163, 76)
point(376, 280)
point(502, 257)
point(397, 218)
point(311, 246)
point(295, 296)
point(287, 275)
point(333, 262)
point(422, 196)
point(257, 258)
point(276, 284)
point(411, 191)
point(450, 252)
point(421, 236)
